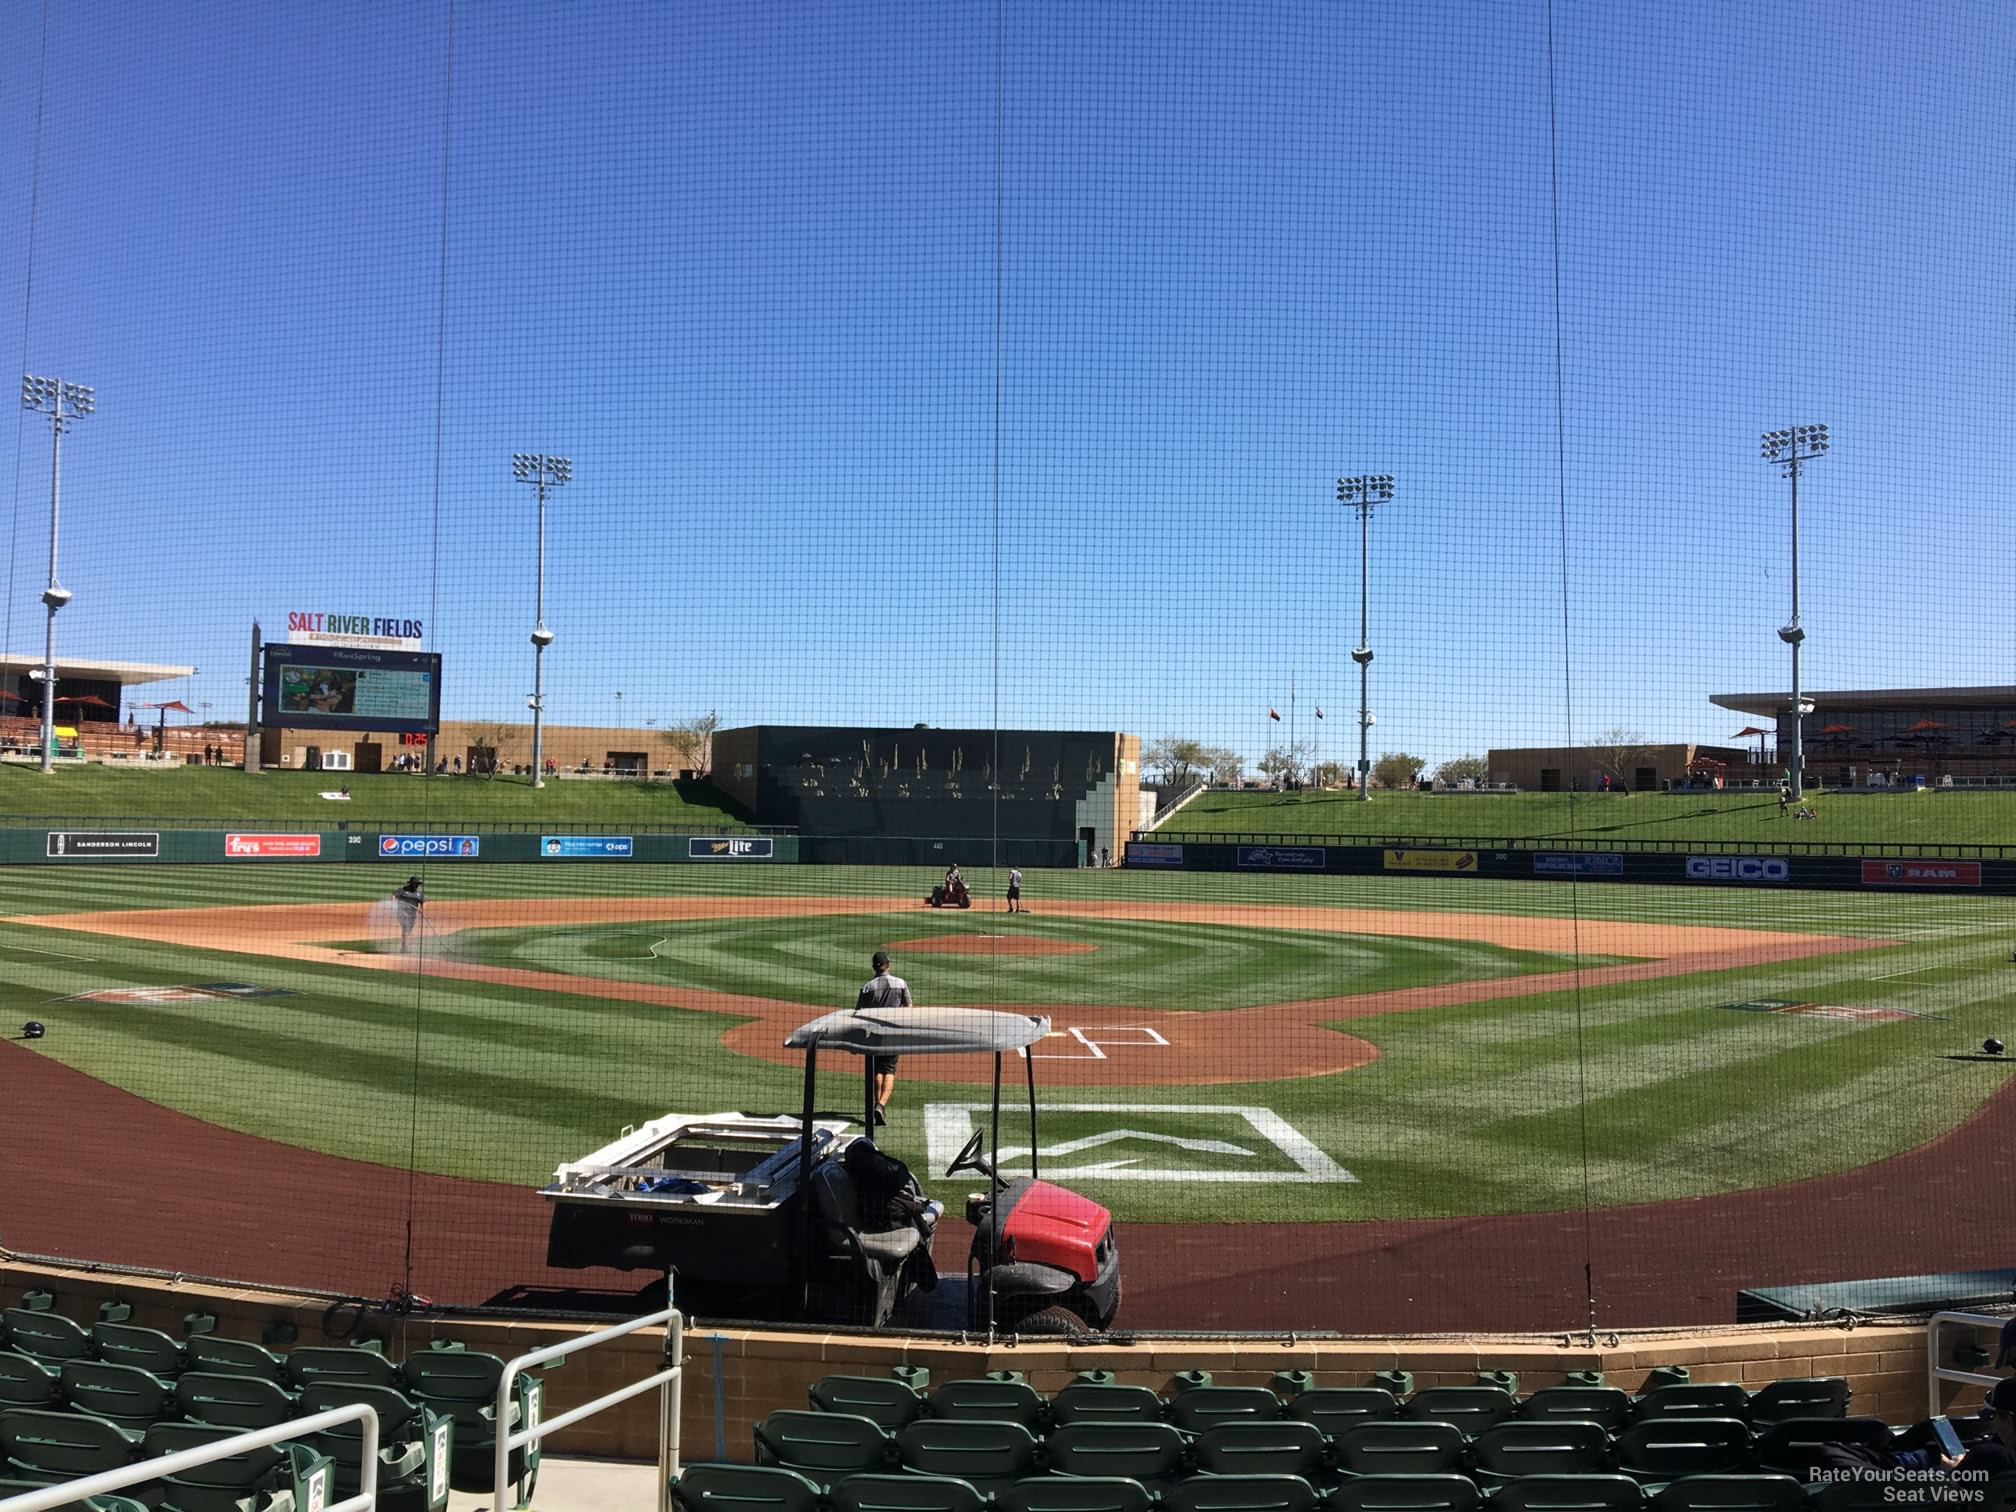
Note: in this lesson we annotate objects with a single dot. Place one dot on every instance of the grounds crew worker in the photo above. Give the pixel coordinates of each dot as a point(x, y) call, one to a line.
point(883, 990)
point(411, 899)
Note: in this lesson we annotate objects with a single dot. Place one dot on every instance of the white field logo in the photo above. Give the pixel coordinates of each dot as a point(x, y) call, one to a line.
point(1148, 1142)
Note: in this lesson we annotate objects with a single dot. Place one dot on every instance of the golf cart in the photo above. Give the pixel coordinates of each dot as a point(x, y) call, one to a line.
point(719, 1202)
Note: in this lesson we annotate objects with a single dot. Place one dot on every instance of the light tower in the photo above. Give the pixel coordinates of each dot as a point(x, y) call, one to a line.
point(64, 404)
point(1361, 493)
point(542, 472)
point(1790, 450)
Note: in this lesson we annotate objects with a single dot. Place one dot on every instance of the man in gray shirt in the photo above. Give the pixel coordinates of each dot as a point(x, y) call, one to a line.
point(883, 990)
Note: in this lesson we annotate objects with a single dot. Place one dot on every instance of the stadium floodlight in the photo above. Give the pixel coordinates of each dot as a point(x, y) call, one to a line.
point(64, 403)
point(1362, 493)
point(1789, 450)
point(542, 472)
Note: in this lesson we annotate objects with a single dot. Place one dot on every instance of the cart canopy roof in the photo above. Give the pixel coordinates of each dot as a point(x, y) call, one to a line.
point(920, 1031)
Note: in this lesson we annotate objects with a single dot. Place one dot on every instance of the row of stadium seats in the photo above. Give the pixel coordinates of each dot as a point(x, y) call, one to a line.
point(758, 1488)
point(826, 1447)
point(1197, 1404)
point(133, 1377)
point(46, 1448)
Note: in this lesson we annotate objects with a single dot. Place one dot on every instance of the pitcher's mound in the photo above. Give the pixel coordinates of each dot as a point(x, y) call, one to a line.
point(996, 945)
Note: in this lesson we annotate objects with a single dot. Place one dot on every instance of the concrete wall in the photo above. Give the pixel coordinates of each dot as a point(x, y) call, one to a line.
point(1525, 766)
point(752, 1373)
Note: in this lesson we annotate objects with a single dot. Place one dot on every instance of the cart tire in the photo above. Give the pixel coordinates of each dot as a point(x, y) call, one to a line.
point(1054, 1323)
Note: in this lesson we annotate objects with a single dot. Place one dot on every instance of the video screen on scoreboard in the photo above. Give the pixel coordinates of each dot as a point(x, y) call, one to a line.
point(352, 688)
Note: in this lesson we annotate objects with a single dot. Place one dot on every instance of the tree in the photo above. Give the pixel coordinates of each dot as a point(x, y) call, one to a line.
point(1226, 766)
point(1284, 762)
point(1452, 773)
point(487, 742)
point(1331, 774)
point(692, 741)
point(1395, 769)
point(1619, 752)
point(1180, 761)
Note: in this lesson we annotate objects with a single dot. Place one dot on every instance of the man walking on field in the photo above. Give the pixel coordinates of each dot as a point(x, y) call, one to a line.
point(882, 990)
point(1015, 890)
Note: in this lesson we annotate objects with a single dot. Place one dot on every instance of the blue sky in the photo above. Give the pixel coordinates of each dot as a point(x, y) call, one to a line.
point(740, 262)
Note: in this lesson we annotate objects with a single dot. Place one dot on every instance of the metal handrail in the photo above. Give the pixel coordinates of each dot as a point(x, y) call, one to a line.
point(107, 1482)
point(1934, 1371)
point(667, 1379)
point(1940, 850)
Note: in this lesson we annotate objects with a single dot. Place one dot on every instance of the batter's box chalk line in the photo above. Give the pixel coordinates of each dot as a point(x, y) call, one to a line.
point(1095, 1049)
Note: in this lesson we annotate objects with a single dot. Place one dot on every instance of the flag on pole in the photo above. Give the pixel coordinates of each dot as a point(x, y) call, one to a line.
point(1275, 715)
point(1319, 713)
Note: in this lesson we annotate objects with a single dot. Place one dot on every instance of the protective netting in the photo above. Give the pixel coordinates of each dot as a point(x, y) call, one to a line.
point(782, 455)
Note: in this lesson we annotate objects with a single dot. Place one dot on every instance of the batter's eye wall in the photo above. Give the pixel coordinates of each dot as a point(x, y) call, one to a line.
point(895, 796)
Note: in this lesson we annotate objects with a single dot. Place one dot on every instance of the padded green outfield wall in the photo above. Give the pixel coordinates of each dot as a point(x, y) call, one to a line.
point(60, 847)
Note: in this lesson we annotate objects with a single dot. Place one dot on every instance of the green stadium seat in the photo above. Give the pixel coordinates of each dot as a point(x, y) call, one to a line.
point(1105, 1402)
point(217, 1356)
point(1567, 1446)
point(1445, 1492)
point(1791, 1446)
point(146, 1349)
point(1336, 1408)
point(346, 1364)
point(1280, 1447)
point(824, 1447)
point(1596, 1404)
point(1203, 1407)
point(1471, 1408)
point(905, 1493)
point(1731, 1493)
point(1074, 1493)
point(989, 1399)
point(987, 1455)
point(118, 1393)
point(252, 1476)
point(46, 1447)
point(1150, 1453)
point(1400, 1448)
point(1241, 1493)
point(415, 1446)
point(744, 1488)
point(27, 1382)
point(1724, 1399)
point(1853, 1496)
point(462, 1384)
point(10, 1487)
point(44, 1334)
point(1776, 1401)
point(1999, 1495)
point(1569, 1493)
point(244, 1402)
point(1663, 1449)
point(880, 1399)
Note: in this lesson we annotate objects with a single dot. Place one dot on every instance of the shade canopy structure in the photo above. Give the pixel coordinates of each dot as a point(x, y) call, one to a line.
point(173, 703)
point(1926, 724)
point(1836, 729)
point(920, 1031)
point(90, 700)
point(1748, 730)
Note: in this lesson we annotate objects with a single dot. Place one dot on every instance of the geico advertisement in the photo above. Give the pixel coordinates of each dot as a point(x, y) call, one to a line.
point(1738, 869)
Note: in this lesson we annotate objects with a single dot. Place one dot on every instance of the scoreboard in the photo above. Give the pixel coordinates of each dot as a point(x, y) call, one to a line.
point(351, 688)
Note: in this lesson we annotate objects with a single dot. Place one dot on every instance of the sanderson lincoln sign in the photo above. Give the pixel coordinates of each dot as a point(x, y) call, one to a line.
point(323, 629)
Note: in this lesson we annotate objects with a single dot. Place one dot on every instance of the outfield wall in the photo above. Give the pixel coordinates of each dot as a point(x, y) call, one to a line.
point(1706, 866)
point(97, 846)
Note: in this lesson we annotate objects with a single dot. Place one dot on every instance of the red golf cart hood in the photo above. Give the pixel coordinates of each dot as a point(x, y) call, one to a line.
point(1052, 1226)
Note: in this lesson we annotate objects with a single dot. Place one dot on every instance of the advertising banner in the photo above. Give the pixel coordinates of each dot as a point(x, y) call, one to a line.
point(1921, 873)
point(1283, 857)
point(238, 847)
point(598, 847)
point(429, 847)
point(1738, 869)
point(1575, 864)
point(103, 845)
point(1154, 853)
point(1431, 860)
point(718, 848)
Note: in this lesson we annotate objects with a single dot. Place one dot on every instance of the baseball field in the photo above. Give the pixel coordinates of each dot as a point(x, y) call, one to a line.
point(1337, 1055)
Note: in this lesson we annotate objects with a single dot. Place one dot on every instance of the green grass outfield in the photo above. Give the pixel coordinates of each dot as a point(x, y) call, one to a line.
point(1647, 1091)
point(1925, 818)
